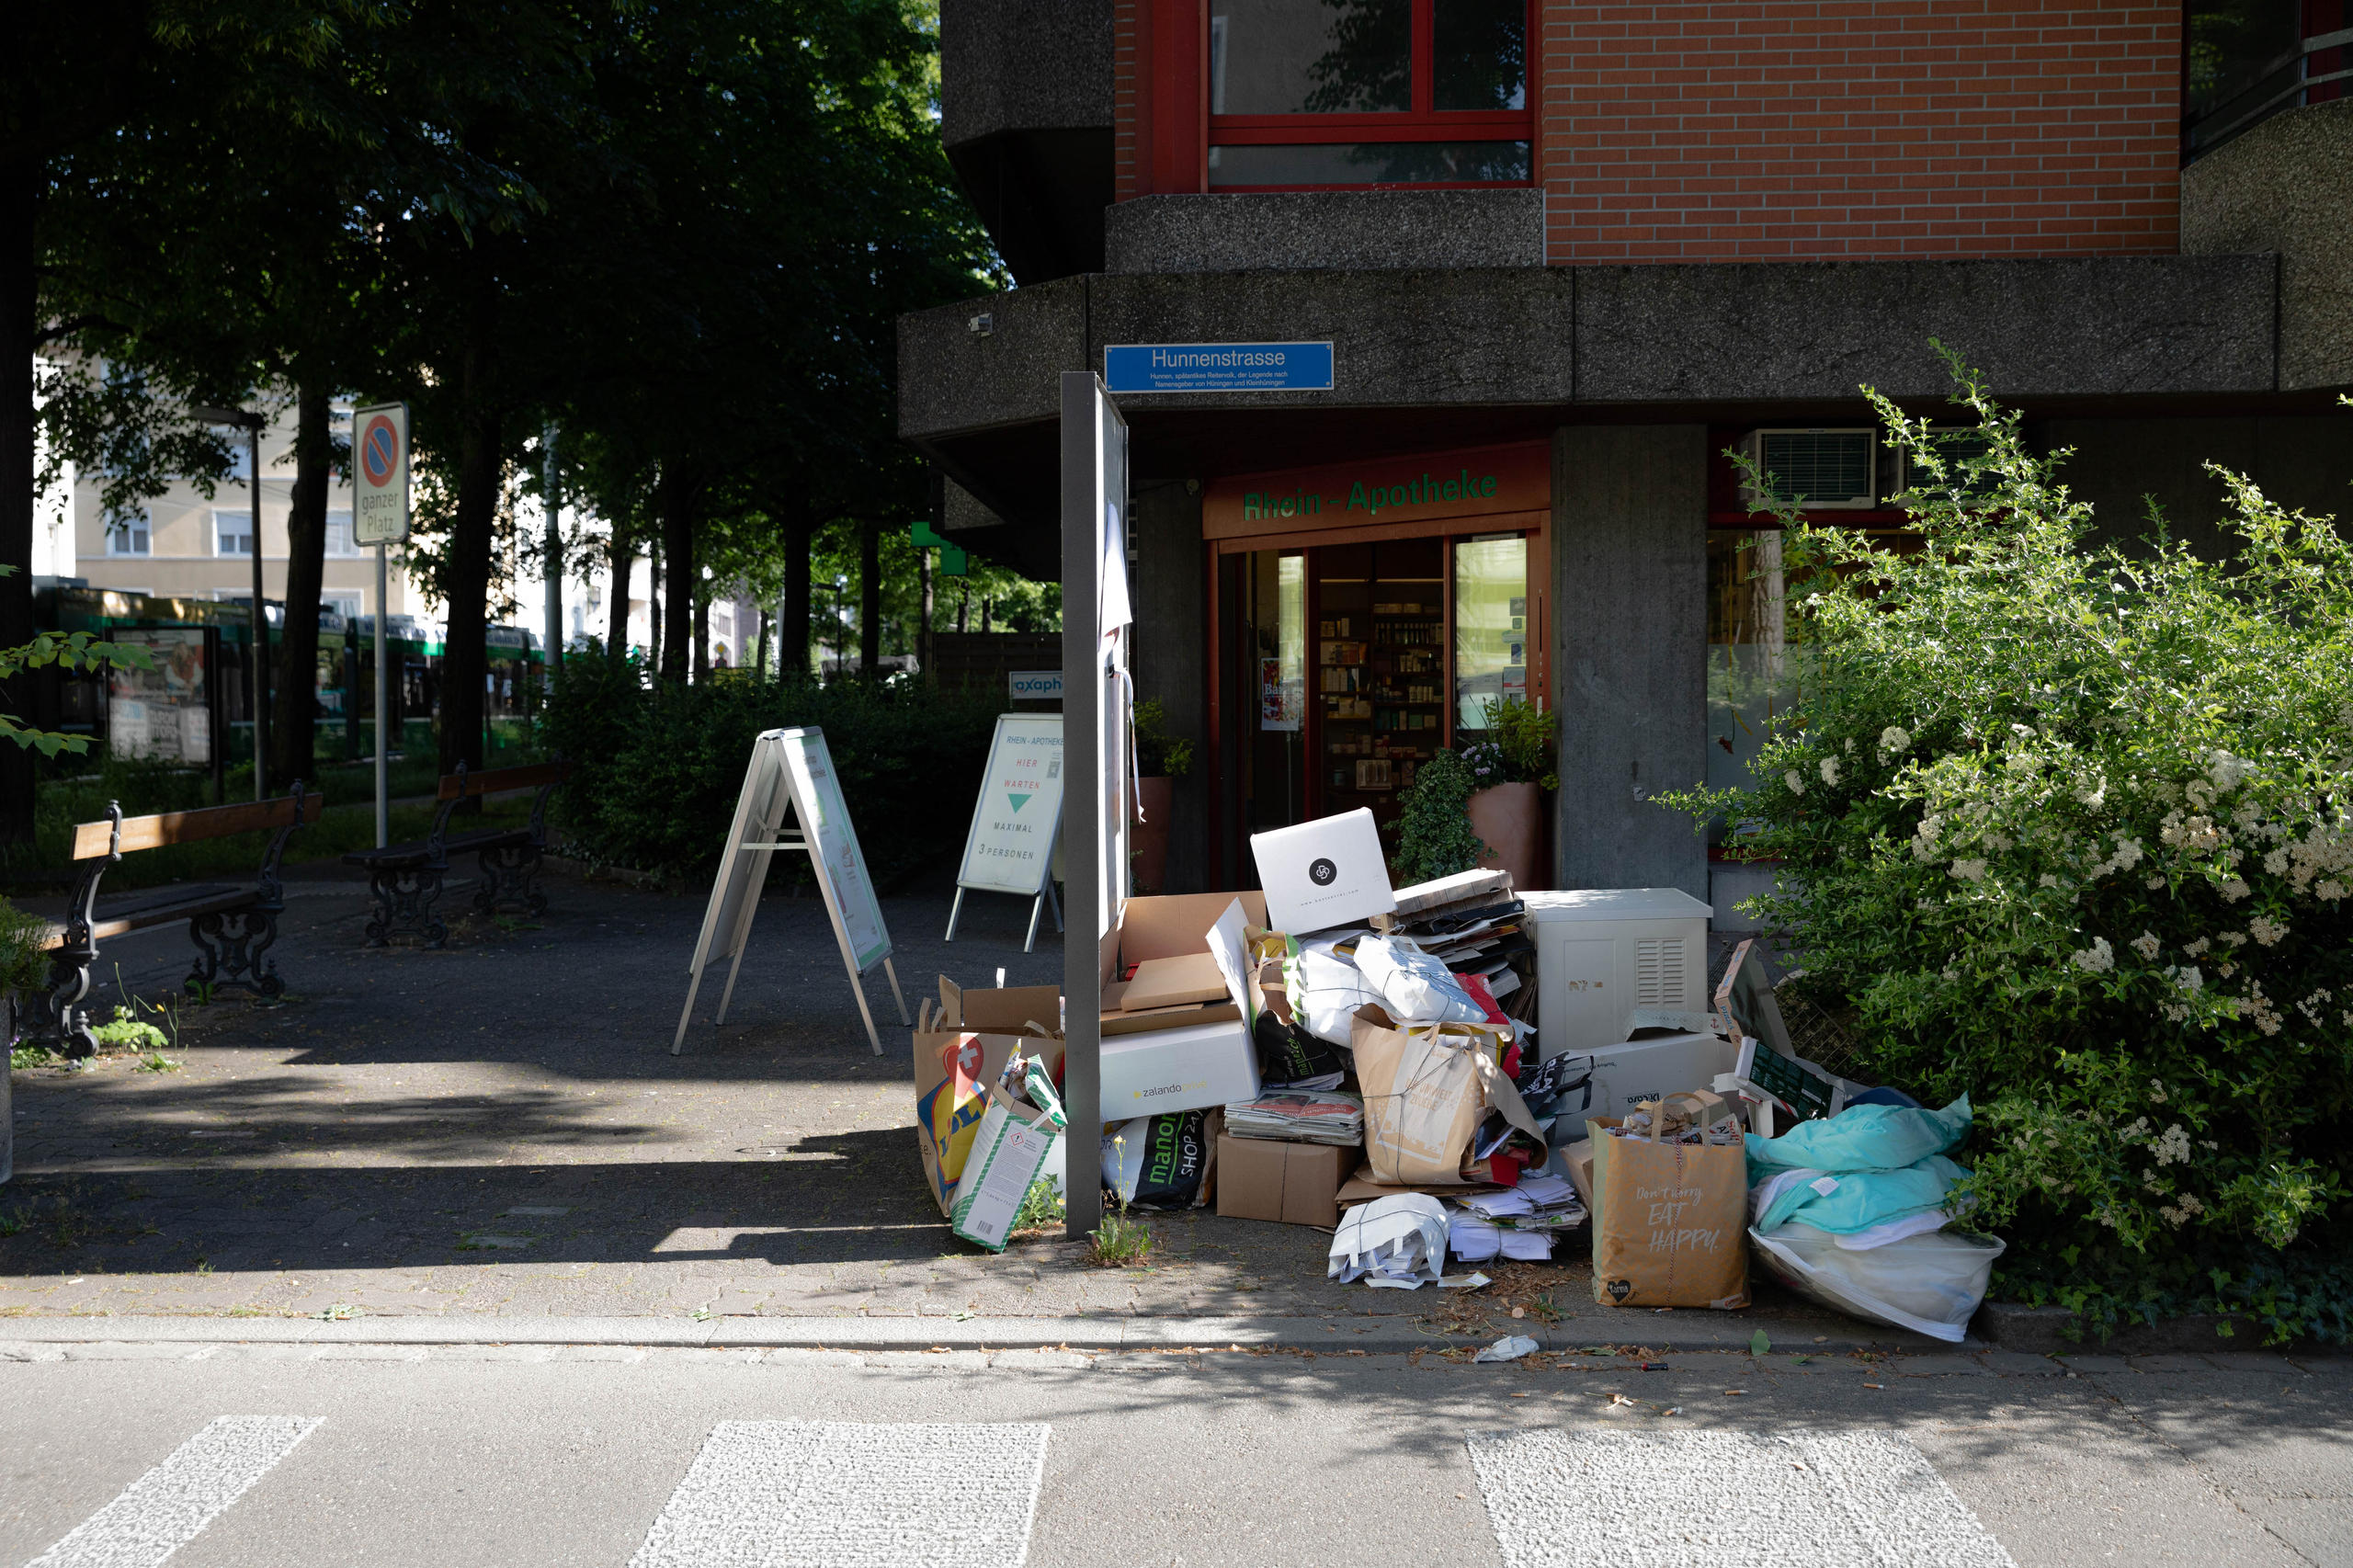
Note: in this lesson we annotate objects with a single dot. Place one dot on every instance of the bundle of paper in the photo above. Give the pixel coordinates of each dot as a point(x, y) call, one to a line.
point(1299, 1116)
point(1540, 1202)
point(1474, 1239)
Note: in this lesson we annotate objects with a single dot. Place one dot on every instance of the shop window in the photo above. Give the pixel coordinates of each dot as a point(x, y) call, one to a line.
point(1490, 626)
point(1337, 93)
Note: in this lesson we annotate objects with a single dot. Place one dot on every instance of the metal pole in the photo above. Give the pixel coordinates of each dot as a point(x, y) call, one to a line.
point(261, 617)
point(553, 652)
point(1083, 824)
point(383, 769)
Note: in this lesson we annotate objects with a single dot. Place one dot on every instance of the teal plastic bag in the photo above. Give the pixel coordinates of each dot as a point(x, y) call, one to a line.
point(1856, 1202)
point(1861, 1138)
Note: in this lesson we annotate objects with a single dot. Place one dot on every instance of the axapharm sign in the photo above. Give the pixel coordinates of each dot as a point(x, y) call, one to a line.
point(1434, 487)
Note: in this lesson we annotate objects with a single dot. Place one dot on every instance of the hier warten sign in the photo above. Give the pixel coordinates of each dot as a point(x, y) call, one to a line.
point(1217, 366)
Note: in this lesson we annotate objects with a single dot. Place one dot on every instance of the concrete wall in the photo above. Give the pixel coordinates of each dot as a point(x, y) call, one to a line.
point(1325, 229)
point(1023, 65)
point(2286, 186)
point(1629, 581)
point(1172, 656)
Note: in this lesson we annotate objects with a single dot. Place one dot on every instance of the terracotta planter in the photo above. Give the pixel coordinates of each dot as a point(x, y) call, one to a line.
point(1148, 839)
point(1511, 818)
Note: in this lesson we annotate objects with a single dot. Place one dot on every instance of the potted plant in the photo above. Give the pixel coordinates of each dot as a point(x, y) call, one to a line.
point(1161, 760)
point(1512, 770)
point(1434, 835)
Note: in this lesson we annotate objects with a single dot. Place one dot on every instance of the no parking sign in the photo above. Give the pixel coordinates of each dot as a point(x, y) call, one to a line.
point(380, 468)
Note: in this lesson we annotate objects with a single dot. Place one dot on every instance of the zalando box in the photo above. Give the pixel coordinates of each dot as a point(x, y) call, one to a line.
point(1654, 1067)
point(1194, 1053)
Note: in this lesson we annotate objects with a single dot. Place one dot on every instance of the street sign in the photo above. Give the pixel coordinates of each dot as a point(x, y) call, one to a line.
point(954, 560)
point(380, 468)
point(1034, 686)
point(1017, 823)
point(1217, 366)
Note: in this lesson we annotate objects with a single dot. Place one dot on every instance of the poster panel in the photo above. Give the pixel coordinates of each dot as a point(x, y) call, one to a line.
point(162, 713)
point(833, 852)
point(1011, 846)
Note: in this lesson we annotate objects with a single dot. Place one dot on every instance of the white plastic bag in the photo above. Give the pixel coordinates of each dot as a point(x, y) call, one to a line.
point(1325, 990)
point(1414, 987)
point(1930, 1284)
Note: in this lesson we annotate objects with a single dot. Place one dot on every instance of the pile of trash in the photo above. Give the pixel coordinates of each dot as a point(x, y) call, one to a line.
point(1332, 1051)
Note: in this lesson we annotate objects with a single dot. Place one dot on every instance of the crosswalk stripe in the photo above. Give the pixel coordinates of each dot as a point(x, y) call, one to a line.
point(165, 1508)
point(1635, 1499)
point(842, 1495)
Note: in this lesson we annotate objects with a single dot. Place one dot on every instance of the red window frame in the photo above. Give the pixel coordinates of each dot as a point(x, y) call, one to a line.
point(1423, 122)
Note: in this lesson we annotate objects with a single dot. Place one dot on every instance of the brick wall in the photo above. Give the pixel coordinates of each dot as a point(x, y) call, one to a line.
point(1783, 130)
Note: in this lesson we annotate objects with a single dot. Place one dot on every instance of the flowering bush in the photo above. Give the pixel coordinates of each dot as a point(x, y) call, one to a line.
point(1516, 747)
point(2071, 828)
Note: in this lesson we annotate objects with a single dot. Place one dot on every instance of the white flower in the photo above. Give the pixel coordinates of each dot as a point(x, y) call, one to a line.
point(2128, 853)
point(2155, 882)
point(2228, 770)
point(1893, 740)
point(1971, 870)
point(2276, 862)
point(2157, 1091)
point(2047, 880)
point(2173, 1148)
point(2147, 946)
point(2236, 889)
point(2265, 930)
point(2097, 959)
point(1795, 780)
point(1830, 770)
point(2197, 949)
point(2187, 978)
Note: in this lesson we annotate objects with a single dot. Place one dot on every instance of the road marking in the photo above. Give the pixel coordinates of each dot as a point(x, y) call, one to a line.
point(168, 1507)
point(1823, 1499)
point(842, 1495)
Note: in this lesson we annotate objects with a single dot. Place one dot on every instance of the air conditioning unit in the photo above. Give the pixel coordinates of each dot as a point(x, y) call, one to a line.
point(1823, 468)
point(1602, 954)
point(1954, 446)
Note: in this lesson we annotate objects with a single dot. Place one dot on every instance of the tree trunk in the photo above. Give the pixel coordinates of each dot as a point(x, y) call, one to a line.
point(792, 635)
point(702, 637)
point(923, 631)
point(465, 659)
point(621, 561)
point(20, 187)
point(964, 610)
point(870, 600)
point(677, 502)
point(293, 721)
point(760, 632)
point(653, 606)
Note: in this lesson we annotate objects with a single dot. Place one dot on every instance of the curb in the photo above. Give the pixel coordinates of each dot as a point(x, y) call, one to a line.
point(1389, 1334)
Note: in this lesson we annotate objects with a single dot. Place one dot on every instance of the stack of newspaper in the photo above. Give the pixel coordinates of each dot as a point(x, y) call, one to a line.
point(1299, 1116)
point(1515, 1223)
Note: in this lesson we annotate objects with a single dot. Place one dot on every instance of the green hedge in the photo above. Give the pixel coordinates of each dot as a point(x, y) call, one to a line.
point(658, 767)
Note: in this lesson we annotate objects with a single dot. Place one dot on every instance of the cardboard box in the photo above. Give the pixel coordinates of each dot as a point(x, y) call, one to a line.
point(1324, 873)
point(1654, 1067)
point(1175, 981)
point(1295, 1183)
point(1192, 1055)
point(1179, 1069)
point(1154, 930)
point(981, 1029)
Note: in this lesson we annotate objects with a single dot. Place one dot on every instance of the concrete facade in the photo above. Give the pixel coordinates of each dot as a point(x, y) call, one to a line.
point(1341, 229)
point(1630, 579)
point(2286, 185)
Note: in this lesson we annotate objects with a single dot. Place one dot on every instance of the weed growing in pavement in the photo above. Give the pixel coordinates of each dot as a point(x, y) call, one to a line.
point(14, 1220)
point(23, 1058)
point(127, 1031)
point(1041, 1206)
point(156, 1061)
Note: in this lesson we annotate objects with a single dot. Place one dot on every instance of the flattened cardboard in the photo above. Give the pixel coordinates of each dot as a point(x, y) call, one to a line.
point(1291, 1183)
point(1173, 982)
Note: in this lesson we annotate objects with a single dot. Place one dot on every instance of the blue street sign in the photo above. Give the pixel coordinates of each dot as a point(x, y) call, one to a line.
point(1217, 366)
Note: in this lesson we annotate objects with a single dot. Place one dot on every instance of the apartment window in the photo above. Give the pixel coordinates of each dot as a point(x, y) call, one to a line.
point(233, 533)
point(1336, 93)
point(130, 536)
point(339, 534)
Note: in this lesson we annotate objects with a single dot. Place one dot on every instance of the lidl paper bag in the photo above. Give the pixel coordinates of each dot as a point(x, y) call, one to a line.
point(1426, 1087)
point(1669, 1223)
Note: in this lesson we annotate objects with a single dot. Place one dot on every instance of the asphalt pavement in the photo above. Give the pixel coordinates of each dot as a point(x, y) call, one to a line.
point(309, 1454)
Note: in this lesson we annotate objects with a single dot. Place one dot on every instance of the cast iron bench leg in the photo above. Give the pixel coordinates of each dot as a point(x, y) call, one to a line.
point(230, 947)
point(58, 1014)
point(509, 875)
point(405, 905)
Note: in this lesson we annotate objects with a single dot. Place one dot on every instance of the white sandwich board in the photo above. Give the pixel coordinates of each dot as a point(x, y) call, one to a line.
point(791, 769)
point(1017, 823)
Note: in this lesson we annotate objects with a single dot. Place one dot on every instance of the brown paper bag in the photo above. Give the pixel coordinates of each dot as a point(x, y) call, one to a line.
point(1669, 1223)
point(1426, 1087)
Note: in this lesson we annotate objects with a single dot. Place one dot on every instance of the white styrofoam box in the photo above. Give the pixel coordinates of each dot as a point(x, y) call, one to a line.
point(1181, 1068)
point(1602, 952)
point(1625, 1075)
point(1324, 873)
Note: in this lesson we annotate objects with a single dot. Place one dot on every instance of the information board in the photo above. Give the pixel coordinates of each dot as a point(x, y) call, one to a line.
point(791, 770)
point(1016, 822)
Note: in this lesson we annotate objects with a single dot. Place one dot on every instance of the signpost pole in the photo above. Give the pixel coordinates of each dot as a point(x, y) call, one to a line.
point(1082, 825)
point(383, 767)
point(553, 652)
point(261, 619)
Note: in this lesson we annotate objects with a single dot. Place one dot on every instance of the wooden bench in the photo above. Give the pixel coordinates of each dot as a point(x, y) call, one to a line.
point(231, 926)
point(406, 878)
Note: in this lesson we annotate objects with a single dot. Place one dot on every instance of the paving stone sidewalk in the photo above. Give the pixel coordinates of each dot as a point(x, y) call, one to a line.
point(500, 1129)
